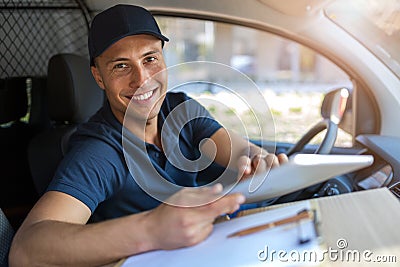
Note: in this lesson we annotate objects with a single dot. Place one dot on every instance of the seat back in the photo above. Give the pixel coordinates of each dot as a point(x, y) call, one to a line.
point(17, 193)
point(6, 236)
point(72, 96)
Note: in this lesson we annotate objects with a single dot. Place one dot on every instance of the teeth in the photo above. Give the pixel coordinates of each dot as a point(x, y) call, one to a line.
point(142, 97)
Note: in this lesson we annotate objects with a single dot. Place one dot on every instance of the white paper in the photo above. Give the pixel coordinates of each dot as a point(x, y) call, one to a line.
point(256, 249)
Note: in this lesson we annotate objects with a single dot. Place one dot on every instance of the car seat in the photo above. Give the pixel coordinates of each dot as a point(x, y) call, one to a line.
point(72, 96)
point(6, 236)
point(17, 193)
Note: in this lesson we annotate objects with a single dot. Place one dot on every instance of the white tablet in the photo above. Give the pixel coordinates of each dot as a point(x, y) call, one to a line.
point(301, 171)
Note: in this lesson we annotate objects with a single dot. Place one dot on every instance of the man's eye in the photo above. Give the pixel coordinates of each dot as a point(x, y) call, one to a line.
point(121, 66)
point(150, 59)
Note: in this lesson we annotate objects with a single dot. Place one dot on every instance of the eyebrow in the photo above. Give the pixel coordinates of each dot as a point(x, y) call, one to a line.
point(150, 53)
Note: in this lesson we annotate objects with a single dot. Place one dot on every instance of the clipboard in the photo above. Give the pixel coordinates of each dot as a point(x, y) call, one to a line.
point(301, 171)
point(252, 250)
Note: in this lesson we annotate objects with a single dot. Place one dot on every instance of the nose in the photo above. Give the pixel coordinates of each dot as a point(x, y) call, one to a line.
point(139, 75)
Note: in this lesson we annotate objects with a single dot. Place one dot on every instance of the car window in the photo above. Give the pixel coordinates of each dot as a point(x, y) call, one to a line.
point(291, 77)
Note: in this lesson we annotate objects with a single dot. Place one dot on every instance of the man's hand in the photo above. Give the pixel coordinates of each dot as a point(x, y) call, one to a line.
point(180, 226)
point(259, 163)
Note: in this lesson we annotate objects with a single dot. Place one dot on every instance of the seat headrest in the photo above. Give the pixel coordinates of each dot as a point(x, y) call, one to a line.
point(13, 99)
point(72, 93)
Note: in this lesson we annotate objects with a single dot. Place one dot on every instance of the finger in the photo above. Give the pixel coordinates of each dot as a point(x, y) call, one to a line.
point(203, 190)
point(206, 214)
point(227, 204)
point(272, 161)
point(282, 158)
point(200, 232)
point(216, 189)
point(203, 232)
point(259, 164)
point(195, 196)
point(244, 165)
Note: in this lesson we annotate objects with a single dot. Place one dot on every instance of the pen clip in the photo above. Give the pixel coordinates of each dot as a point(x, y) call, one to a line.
point(303, 239)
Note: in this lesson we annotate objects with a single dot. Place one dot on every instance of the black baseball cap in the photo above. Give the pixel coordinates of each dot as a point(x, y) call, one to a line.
point(118, 22)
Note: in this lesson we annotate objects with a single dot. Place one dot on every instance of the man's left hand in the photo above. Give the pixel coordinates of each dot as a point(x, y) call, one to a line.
point(259, 163)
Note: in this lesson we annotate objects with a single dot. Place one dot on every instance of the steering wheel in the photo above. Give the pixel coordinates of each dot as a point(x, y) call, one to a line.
point(327, 143)
point(332, 110)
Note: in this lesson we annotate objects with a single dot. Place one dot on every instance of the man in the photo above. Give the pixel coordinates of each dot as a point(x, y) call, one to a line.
point(94, 182)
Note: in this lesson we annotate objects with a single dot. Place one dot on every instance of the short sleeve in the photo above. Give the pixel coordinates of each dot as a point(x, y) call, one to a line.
point(187, 118)
point(204, 125)
point(90, 172)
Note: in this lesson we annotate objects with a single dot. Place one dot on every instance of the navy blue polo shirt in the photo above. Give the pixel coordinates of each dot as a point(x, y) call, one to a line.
point(95, 169)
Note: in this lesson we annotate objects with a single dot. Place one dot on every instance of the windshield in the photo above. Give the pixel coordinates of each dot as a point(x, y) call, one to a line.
point(375, 23)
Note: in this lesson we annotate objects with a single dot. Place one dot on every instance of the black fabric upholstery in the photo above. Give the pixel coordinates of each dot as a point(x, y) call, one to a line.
point(38, 114)
point(13, 99)
point(6, 236)
point(17, 192)
point(45, 153)
point(72, 93)
point(73, 96)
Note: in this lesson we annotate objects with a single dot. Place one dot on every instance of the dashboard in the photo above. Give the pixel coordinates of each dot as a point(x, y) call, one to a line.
point(385, 172)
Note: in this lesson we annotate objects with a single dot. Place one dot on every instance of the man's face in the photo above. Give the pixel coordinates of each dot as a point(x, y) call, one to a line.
point(123, 71)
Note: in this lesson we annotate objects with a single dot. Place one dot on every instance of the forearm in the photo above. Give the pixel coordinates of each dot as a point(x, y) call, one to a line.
point(230, 147)
point(244, 148)
point(253, 150)
point(239, 154)
point(49, 243)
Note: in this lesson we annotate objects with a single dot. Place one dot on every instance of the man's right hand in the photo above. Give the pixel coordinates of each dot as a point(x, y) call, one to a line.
point(190, 220)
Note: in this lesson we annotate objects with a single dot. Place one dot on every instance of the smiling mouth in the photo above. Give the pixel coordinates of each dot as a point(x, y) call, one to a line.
point(144, 96)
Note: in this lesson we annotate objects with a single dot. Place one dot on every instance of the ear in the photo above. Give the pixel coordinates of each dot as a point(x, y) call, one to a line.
point(97, 77)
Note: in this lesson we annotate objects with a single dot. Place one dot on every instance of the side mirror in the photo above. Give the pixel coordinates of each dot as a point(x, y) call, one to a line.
point(335, 103)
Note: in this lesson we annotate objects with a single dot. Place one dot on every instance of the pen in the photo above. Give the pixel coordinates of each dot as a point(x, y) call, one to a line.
point(305, 214)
